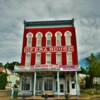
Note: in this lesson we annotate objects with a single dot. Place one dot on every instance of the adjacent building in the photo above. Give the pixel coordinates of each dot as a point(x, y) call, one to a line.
point(49, 60)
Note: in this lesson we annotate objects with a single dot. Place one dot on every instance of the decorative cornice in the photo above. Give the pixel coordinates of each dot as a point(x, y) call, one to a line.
point(49, 23)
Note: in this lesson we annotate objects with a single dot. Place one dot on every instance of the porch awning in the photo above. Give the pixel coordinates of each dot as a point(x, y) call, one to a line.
point(41, 68)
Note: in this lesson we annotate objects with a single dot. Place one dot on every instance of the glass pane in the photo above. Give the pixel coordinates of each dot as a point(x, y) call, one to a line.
point(58, 58)
point(26, 83)
point(48, 58)
point(69, 58)
point(38, 58)
point(28, 58)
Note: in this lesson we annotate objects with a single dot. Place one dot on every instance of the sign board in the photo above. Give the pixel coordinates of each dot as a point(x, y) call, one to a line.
point(49, 49)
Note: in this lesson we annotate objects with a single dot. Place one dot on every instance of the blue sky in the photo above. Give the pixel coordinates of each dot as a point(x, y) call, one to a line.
point(14, 12)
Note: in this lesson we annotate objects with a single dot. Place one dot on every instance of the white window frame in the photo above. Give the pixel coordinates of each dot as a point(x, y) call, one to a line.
point(69, 58)
point(68, 35)
point(58, 35)
point(38, 60)
point(38, 39)
point(48, 62)
point(48, 39)
point(58, 60)
point(29, 39)
point(28, 59)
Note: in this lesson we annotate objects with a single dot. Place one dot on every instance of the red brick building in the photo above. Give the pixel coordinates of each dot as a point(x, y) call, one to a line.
point(49, 59)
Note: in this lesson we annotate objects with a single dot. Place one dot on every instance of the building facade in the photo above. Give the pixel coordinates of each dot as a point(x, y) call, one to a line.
point(49, 59)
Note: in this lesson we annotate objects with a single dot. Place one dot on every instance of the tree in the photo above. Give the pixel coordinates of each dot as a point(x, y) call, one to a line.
point(11, 65)
point(3, 80)
point(94, 68)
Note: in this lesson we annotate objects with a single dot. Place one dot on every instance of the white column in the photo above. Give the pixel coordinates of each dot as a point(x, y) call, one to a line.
point(43, 84)
point(34, 82)
point(77, 85)
point(58, 88)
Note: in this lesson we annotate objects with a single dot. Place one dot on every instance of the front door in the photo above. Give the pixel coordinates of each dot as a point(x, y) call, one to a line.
point(62, 87)
point(48, 84)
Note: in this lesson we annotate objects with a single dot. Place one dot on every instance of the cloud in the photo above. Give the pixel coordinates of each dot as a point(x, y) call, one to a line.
point(14, 12)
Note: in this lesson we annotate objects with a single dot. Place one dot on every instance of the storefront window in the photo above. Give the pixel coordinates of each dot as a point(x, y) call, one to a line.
point(26, 83)
point(48, 84)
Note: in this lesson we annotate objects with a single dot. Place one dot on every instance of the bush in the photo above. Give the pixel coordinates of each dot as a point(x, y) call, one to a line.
point(3, 80)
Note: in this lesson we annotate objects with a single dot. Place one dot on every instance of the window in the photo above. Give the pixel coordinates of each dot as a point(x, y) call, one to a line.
point(38, 58)
point(48, 84)
point(69, 58)
point(58, 58)
point(26, 82)
point(68, 38)
point(48, 58)
point(48, 38)
point(28, 59)
point(29, 39)
point(38, 39)
point(58, 38)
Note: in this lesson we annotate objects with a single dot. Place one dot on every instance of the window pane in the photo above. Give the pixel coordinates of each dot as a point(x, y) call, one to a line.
point(38, 58)
point(48, 58)
point(28, 59)
point(68, 40)
point(58, 58)
point(29, 40)
point(26, 83)
point(48, 42)
point(39, 42)
point(69, 58)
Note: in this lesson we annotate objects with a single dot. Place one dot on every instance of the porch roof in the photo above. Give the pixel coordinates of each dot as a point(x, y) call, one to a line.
point(60, 68)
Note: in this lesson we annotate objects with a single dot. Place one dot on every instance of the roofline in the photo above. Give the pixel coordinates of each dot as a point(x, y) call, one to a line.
point(49, 23)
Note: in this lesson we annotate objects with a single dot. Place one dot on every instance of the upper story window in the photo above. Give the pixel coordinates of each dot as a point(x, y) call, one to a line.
point(48, 58)
point(68, 35)
point(38, 39)
point(29, 39)
point(58, 58)
point(28, 59)
point(58, 38)
point(38, 58)
point(69, 58)
point(48, 39)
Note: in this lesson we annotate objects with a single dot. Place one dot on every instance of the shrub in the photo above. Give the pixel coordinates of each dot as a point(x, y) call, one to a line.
point(3, 80)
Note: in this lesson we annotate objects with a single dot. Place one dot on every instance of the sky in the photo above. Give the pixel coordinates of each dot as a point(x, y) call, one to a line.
point(13, 12)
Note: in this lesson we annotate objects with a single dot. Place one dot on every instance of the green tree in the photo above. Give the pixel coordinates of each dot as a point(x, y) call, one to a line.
point(11, 65)
point(94, 68)
point(3, 80)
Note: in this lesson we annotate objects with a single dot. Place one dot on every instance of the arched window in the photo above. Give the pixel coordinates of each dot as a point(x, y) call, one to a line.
point(28, 59)
point(58, 58)
point(38, 39)
point(68, 35)
point(38, 58)
point(69, 58)
point(29, 39)
point(48, 39)
point(58, 38)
